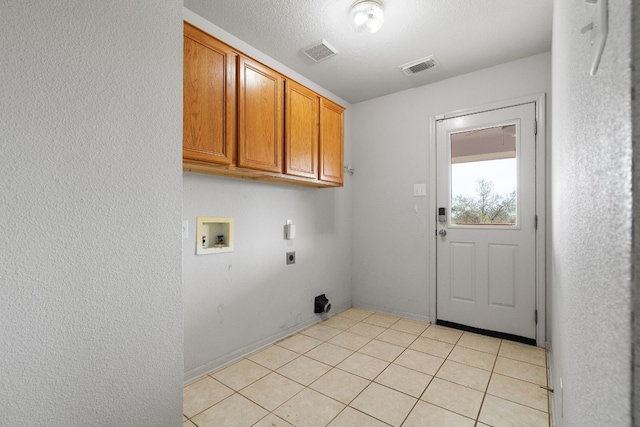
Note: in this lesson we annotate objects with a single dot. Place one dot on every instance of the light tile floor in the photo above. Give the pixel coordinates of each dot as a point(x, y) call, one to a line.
point(362, 368)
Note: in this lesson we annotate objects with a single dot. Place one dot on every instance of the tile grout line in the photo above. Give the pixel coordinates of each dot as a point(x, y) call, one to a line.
point(484, 396)
point(370, 381)
point(396, 358)
point(274, 371)
point(305, 386)
point(373, 380)
point(348, 405)
point(418, 399)
point(432, 378)
point(503, 398)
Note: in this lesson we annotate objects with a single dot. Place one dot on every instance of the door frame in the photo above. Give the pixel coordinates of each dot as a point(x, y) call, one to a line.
point(540, 199)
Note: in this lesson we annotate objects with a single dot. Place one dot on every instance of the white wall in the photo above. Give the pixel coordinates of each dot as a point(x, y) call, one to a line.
point(90, 136)
point(237, 302)
point(391, 152)
point(635, 78)
point(592, 213)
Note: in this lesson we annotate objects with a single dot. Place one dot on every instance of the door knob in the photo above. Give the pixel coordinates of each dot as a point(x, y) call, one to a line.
point(442, 232)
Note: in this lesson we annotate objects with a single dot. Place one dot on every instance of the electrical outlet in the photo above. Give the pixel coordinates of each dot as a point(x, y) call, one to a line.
point(291, 258)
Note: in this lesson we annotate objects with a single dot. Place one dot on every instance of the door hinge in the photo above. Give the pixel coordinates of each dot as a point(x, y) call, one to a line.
point(536, 221)
point(536, 316)
point(535, 128)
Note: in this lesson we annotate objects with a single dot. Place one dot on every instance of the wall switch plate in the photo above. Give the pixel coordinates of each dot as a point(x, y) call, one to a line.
point(420, 190)
point(291, 258)
point(185, 228)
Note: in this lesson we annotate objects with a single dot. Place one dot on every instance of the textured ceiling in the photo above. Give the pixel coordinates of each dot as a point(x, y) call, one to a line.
point(463, 35)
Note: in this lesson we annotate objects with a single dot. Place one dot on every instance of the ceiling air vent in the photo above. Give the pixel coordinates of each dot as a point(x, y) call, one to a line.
point(419, 65)
point(319, 51)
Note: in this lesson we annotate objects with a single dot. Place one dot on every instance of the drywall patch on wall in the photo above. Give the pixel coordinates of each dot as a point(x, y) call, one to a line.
point(592, 220)
point(90, 197)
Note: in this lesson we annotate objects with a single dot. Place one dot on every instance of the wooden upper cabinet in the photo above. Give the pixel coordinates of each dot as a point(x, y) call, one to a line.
point(301, 131)
point(260, 117)
point(331, 142)
point(209, 98)
point(234, 120)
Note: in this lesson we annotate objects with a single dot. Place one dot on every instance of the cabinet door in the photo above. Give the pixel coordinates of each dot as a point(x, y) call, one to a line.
point(209, 98)
point(331, 142)
point(260, 117)
point(301, 131)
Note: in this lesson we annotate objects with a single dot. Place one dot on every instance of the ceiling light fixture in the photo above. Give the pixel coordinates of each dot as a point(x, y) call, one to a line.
point(366, 16)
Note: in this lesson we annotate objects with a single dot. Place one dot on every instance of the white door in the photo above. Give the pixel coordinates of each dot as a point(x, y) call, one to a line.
point(486, 263)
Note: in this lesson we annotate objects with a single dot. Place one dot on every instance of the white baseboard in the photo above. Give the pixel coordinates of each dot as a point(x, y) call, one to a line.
point(400, 313)
point(228, 359)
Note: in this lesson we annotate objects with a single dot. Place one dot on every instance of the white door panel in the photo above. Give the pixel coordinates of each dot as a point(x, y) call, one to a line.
point(486, 246)
point(462, 268)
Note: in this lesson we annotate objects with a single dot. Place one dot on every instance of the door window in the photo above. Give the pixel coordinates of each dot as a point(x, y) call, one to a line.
point(484, 177)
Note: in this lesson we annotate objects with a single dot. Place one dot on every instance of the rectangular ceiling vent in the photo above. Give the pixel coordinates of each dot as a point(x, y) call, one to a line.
point(320, 51)
point(419, 65)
